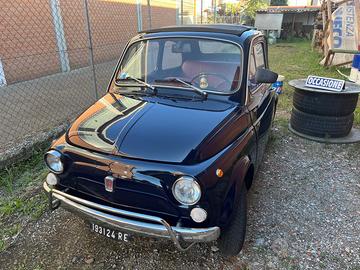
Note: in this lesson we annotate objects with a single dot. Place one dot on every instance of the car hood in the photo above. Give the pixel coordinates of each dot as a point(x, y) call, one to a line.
point(155, 129)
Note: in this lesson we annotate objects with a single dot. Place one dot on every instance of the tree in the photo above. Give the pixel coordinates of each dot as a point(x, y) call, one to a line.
point(252, 6)
point(246, 7)
point(278, 3)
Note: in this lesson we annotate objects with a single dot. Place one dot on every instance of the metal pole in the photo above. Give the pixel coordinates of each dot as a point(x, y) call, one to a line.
point(90, 44)
point(182, 12)
point(2, 75)
point(214, 11)
point(149, 13)
point(201, 11)
point(139, 15)
point(60, 35)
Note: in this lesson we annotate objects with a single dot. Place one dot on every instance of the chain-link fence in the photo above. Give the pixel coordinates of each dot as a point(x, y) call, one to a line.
point(219, 12)
point(57, 56)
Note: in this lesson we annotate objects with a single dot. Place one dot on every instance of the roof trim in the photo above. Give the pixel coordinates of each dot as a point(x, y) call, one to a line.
point(234, 29)
point(289, 9)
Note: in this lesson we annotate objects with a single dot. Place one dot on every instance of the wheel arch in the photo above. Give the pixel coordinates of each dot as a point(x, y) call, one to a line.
point(243, 172)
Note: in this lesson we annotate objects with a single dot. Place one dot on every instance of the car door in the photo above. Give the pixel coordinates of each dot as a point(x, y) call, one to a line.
point(260, 100)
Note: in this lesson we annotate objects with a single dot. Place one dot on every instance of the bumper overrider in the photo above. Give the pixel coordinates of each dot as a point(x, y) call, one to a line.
point(131, 222)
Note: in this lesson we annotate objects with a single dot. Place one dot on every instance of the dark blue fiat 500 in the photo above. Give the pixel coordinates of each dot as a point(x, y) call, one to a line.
point(172, 148)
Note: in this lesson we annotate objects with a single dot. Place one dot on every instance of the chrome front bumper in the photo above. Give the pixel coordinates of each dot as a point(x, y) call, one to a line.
point(157, 228)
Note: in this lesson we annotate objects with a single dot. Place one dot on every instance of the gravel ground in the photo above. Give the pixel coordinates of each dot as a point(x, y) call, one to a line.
point(304, 213)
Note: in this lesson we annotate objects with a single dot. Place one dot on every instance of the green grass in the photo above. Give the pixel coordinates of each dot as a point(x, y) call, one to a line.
point(11, 206)
point(296, 60)
point(2, 245)
point(20, 197)
point(33, 206)
point(23, 173)
point(357, 116)
point(7, 232)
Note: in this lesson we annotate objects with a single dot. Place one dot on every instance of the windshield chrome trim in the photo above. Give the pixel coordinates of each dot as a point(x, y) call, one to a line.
point(141, 38)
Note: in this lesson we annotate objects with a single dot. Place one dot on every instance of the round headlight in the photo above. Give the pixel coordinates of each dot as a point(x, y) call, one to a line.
point(186, 190)
point(53, 161)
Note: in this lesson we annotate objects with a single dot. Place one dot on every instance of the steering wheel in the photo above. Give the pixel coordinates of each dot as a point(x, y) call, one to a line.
point(222, 77)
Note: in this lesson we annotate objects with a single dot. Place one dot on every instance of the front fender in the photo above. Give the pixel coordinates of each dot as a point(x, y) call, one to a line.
point(239, 172)
point(226, 192)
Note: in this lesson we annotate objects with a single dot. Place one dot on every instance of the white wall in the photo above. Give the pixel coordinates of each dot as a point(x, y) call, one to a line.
point(299, 2)
point(304, 18)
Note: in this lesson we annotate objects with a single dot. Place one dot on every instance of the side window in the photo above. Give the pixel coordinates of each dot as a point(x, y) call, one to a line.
point(256, 61)
point(170, 59)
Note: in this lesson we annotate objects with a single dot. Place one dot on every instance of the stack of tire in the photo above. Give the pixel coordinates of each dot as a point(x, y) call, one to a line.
point(323, 115)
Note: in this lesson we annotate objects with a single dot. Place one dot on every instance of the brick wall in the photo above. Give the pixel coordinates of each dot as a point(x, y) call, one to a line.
point(162, 13)
point(27, 40)
point(112, 24)
point(28, 44)
point(72, 12)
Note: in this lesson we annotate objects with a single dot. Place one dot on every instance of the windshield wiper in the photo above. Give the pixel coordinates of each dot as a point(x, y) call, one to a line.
point(197, 90)
point(128, 77)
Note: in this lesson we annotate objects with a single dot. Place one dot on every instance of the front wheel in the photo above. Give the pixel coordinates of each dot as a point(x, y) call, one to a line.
point(232, 237)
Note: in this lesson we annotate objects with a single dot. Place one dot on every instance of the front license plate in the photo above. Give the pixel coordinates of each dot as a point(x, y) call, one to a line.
point(109, 233)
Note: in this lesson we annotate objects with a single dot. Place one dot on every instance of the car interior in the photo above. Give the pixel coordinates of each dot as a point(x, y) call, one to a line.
point(207, 64)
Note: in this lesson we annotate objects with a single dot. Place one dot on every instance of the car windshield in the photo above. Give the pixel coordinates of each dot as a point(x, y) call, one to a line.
point(207, 64)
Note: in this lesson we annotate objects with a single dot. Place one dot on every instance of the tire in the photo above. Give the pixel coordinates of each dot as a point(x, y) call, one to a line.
point(321, 126)
point(325, 104)
point(232, 237)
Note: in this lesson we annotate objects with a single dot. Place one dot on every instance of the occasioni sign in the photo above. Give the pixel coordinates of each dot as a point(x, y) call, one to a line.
point(325, 83)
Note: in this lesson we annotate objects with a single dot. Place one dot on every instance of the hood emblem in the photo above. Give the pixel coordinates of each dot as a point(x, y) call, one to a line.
point(109, 183)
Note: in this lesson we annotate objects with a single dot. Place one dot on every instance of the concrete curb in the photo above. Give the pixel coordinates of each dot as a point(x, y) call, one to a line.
point(21, 150)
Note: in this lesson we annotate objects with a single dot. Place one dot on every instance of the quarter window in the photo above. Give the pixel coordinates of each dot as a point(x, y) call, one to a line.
point(256, 61)
point(259, 55)
point(133, 60)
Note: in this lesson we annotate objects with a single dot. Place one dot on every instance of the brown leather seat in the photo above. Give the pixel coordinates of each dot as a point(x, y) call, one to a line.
point(227, 70)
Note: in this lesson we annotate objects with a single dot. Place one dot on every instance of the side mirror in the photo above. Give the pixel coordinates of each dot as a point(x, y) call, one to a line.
point(263, 75)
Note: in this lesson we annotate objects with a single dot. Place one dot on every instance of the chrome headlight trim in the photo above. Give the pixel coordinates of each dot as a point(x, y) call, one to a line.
point(56, 155)
point(195, 186)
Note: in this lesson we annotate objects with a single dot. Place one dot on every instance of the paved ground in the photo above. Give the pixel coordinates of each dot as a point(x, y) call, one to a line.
point(304, 214)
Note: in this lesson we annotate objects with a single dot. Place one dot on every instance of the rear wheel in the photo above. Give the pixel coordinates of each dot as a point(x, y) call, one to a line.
point(232, 237)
